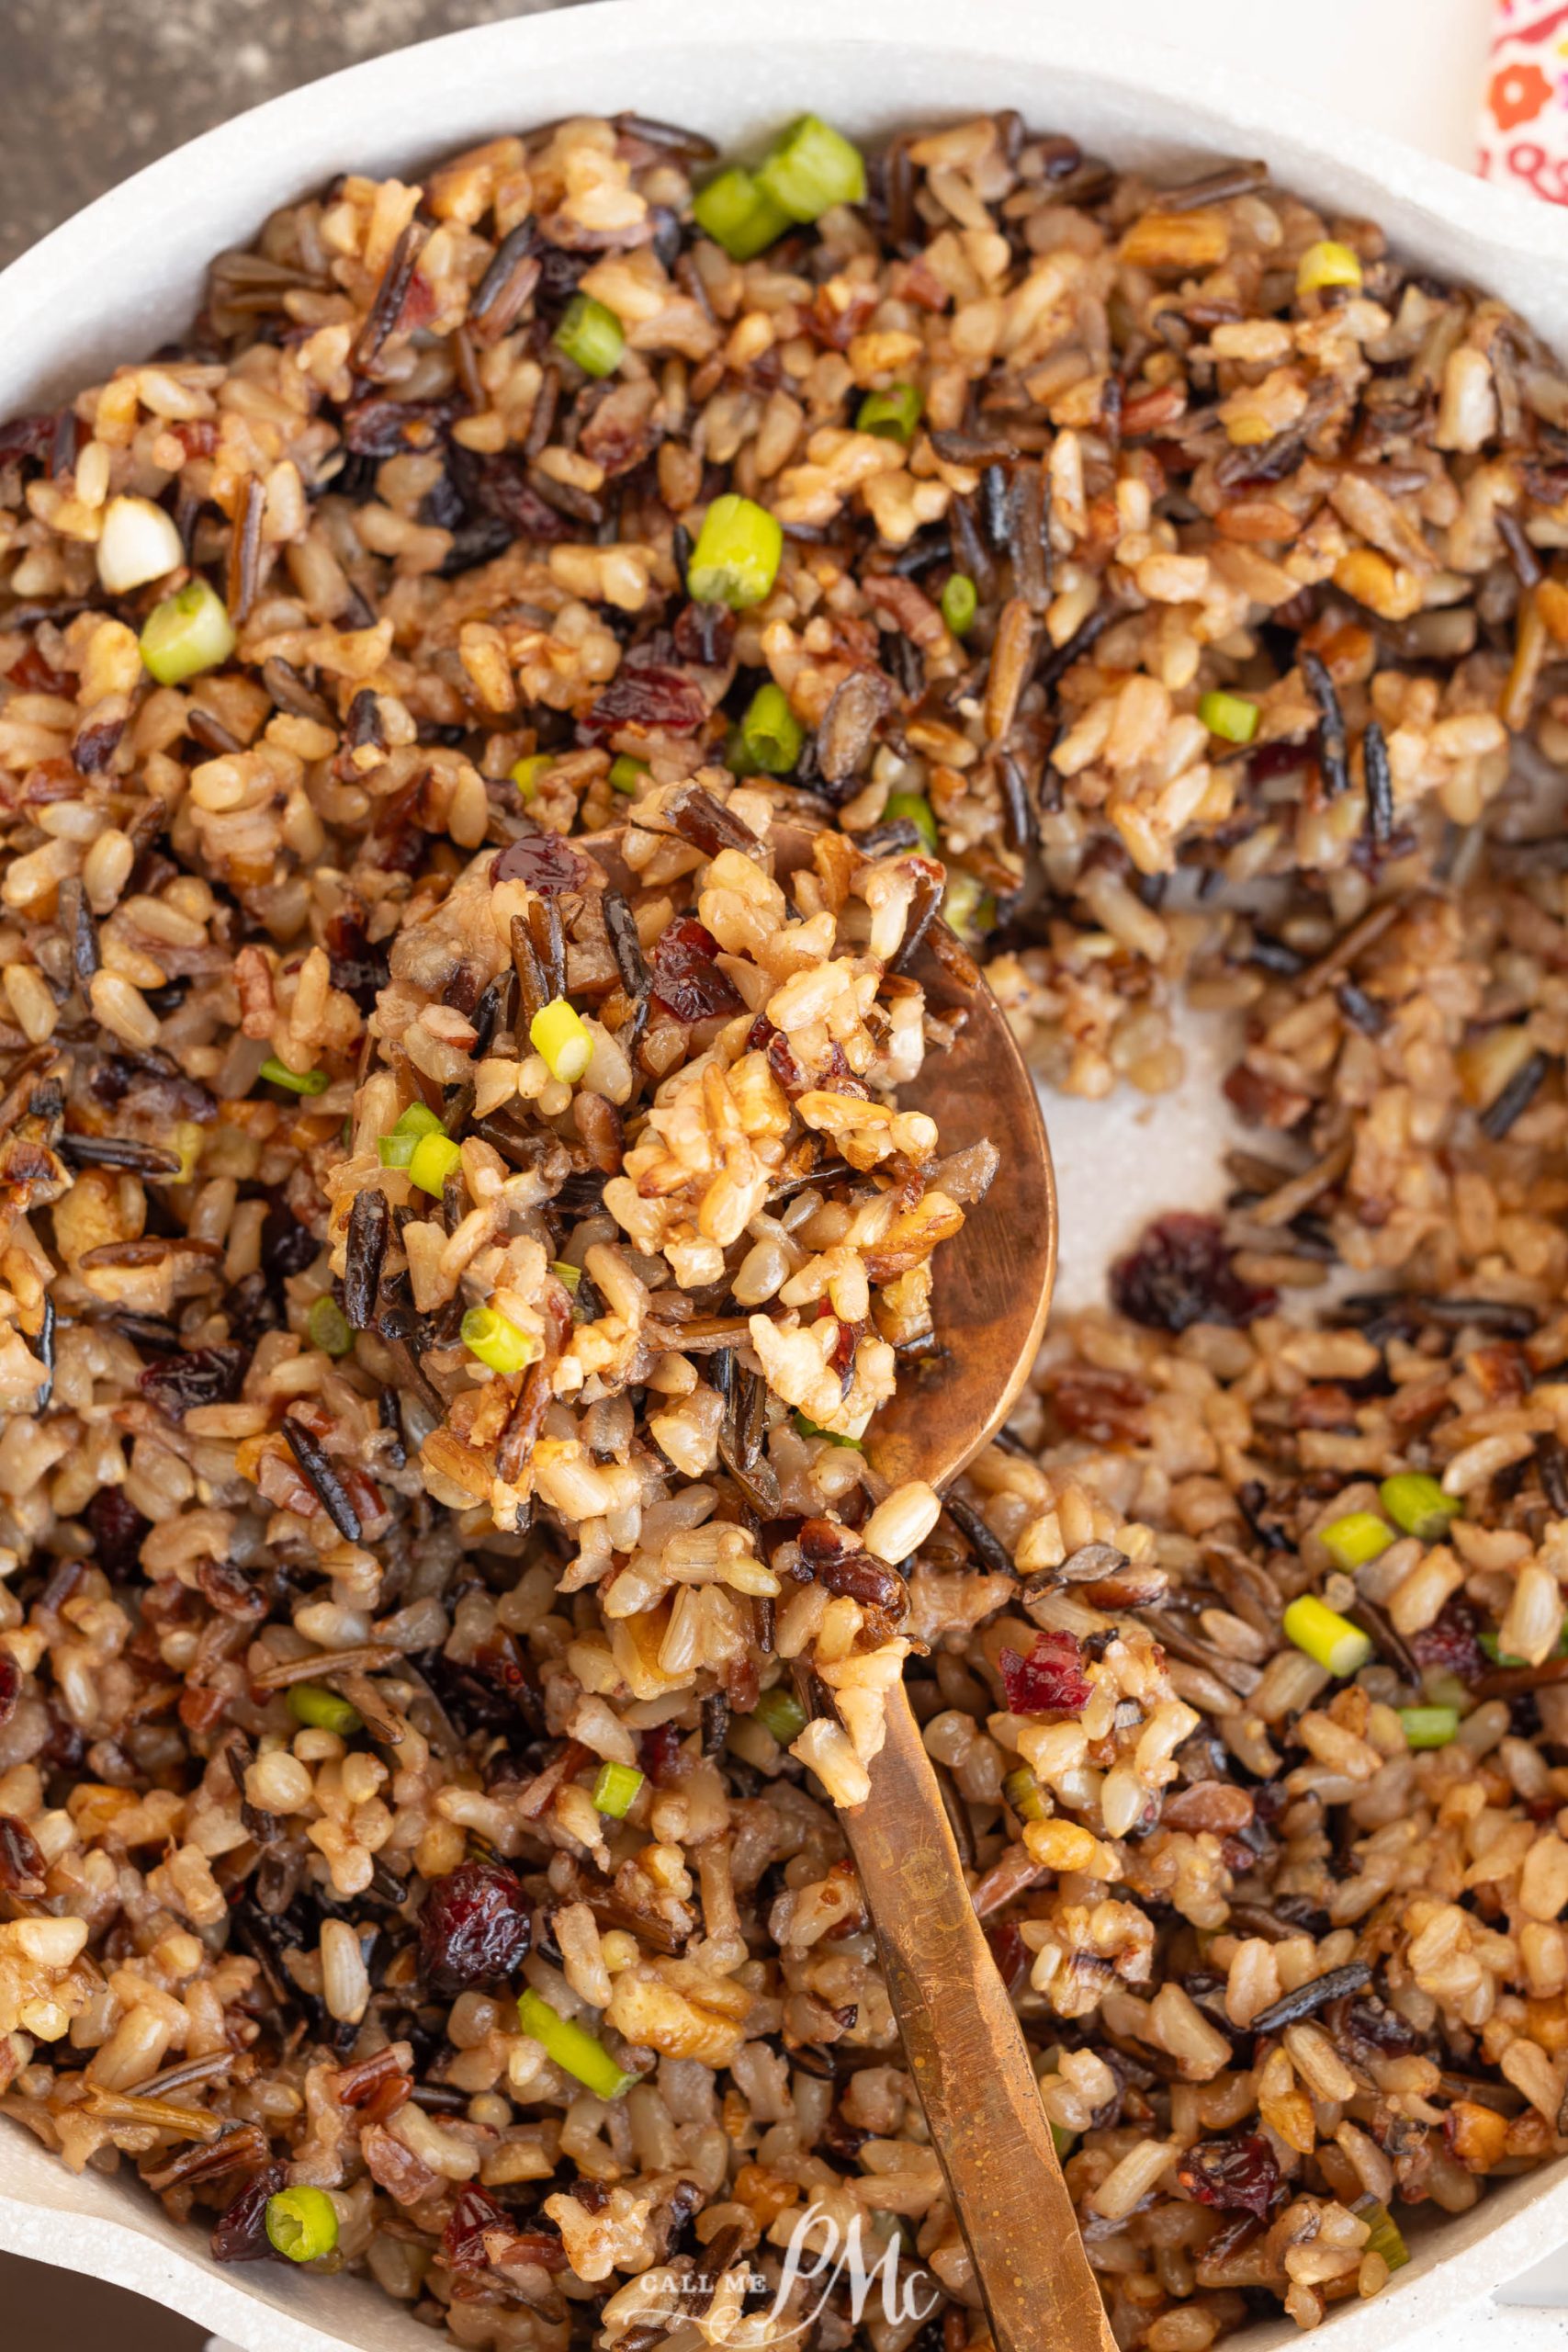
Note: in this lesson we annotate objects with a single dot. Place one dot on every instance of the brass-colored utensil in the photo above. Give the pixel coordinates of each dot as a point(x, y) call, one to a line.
point(964, 2045)
point(962, 2038)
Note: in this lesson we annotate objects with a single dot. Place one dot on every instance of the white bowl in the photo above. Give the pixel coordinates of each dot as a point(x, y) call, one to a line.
point(125, 275)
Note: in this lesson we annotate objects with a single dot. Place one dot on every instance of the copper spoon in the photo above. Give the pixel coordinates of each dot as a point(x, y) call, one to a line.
point(962, 2038)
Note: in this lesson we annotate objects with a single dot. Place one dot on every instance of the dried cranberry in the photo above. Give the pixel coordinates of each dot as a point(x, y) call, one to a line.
point(545, 862)
point(1238, 2175)
point(473, 1926)
point(500, 489)
point(241, 2234)
point(1050, 1680)
point(1108, 1408)
point(199, 1376)
point(705, 633)
point(1282, 758)
point(380, 428)
point(31, 674)
point(10, 1687)
point(27, 436)
point(463, 2239)
point(1182, 1274)
point(763, 1038)
point(650, 696)
point(359, 968)
point(559, 273)
point(1451, 1643)
point(1010, 1952)
point(686, 981)
point(21, 1864)
point(287, 1246)
point(66, 1747)
point(119, 1532)
point(659, 1747)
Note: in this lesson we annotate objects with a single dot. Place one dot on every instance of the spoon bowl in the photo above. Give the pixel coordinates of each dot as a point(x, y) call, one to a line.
point(962, 2040)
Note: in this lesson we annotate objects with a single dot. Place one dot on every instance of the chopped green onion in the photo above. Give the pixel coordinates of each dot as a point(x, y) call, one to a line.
point(1326, 264)
point(771, 731)
point(959, 602)
point(1025, 1796)
point(1494, 1648)
point(1340, 1647)
point(397, 1150)
point(419, 1119)
point(298, 1081)
point(736, 560)
point(780, 1712)
point(614, 1789)
point(812, 168)
point(917, 810)
point(573, 2048)
point(495, 1342)
point(435, 1157)
point(302, 2223)
point(834, 1437)
point(1230, 715)
point(189, 632)
point(1357, 1538)
point(329, 1326)
point(891, 416)
point(590, 334)
point(323, 1710)
point(1385, 2237)
point(557, 1031)
point(734, 211)
point(628, 775)
point(570, 1275)
point(526, 775)
point(1429, 1726)
point(1063, 2141)
point(967, 905)
point(1418, 1504)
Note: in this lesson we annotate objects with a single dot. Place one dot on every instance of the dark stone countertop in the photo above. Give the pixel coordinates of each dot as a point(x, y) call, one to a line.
point(93, 89)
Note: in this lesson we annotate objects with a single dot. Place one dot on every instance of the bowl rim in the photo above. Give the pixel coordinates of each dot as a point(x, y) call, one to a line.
point(276, 151)
point(1219, 97)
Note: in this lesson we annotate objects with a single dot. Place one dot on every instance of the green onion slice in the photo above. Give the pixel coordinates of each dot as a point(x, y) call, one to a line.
point(893, 415)
point(1340, 1647)
point(1418, 1504)
point(571, 2047)
point(497, 1343)
point(1231, 717)
point(736, 560)
point(959, 602)
point(329, 1326)
point(918, 811)
point(812, 168)
point(735, 212)
point(590, 334)
point(435, 1157)
point(1357, 1538)
point(302, 2223)
point(323, 1710)
point(615, 1788)
point(189, 632)
point(1429, 1726)
point(773, 735)
point(780, 1712)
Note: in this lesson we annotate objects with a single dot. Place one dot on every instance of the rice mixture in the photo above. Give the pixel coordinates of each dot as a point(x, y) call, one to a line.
point(452, 1249)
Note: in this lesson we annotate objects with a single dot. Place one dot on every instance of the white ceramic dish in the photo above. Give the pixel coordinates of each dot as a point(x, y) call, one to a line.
point(120, 278)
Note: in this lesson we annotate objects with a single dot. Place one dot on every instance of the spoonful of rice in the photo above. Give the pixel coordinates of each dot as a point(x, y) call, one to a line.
point(960, 2037)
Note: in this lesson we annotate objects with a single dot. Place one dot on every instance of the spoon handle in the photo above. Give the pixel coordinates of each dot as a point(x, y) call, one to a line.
point(969, 2061)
